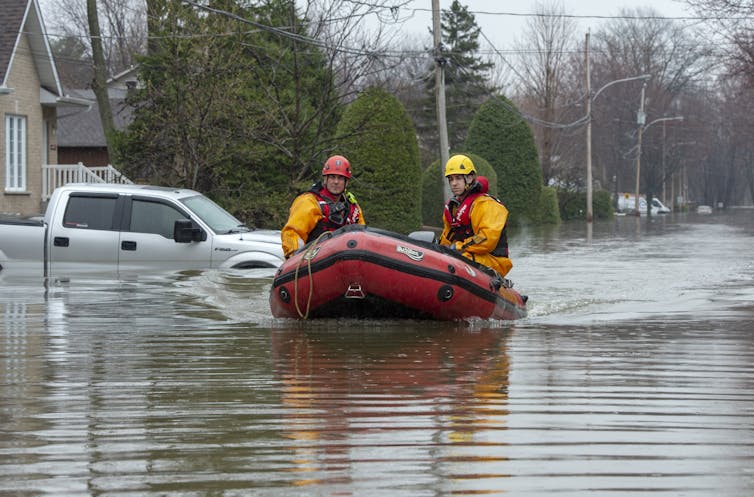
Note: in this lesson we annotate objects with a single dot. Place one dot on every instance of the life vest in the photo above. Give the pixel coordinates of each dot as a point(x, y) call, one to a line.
point(458, 216)
point(335, 213)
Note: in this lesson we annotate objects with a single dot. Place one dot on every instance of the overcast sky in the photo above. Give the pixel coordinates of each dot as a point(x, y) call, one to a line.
point(503, 21)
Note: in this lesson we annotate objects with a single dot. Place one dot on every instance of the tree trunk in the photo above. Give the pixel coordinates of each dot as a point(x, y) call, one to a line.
point(99, 85)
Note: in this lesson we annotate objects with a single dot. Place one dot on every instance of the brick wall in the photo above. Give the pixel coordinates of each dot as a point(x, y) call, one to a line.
point(24, 101)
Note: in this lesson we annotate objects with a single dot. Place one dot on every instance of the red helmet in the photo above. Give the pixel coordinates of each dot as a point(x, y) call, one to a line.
point(337, 164)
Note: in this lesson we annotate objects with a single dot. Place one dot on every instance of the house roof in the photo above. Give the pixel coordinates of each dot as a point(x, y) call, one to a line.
point(24, 17)
point(83, 128)
point(123, 79)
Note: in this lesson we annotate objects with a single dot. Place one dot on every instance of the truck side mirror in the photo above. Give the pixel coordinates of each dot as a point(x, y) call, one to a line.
point(184, 231)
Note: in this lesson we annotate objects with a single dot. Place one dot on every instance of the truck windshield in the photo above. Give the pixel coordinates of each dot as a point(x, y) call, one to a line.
point(217, 218)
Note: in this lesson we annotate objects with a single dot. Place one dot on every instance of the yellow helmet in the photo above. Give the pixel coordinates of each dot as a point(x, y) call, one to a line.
point(459, 164)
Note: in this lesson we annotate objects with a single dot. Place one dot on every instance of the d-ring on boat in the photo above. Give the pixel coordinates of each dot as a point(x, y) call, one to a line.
point(363, 272)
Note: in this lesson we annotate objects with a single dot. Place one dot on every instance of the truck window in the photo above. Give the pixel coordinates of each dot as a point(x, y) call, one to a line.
point(90, 213)
point(154, 217)
point(220, 220)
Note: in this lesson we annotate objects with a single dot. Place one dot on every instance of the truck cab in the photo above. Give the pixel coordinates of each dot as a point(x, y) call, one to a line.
point(137, 228)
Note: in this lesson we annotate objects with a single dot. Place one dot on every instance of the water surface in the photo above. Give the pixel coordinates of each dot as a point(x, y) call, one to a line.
point(632, 375)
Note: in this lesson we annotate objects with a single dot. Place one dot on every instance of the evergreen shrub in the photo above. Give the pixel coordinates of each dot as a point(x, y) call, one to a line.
point(573, 205)
point(499, 134)
point(379, 139)
point(548, 209)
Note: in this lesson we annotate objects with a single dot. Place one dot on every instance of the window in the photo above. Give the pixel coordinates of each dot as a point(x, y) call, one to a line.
point(154, 217)
point(215, 216)
point(15, 153)
point(90, 213)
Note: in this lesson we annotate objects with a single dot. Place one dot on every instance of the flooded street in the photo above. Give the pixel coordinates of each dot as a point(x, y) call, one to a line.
point(632, 375)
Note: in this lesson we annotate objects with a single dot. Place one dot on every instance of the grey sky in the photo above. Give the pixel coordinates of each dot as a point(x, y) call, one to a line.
point(497, 23)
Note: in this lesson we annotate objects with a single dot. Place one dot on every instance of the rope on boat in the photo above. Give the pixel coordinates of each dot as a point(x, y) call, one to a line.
point(305, 256)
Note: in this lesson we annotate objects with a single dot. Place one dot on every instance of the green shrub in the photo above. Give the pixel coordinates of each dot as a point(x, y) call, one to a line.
point(549, 213)
point(379, 139)
point(499, 134)
point(602, 205)
point(573, 205)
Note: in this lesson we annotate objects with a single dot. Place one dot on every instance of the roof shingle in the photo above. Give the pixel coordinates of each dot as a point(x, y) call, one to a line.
point(10, 26)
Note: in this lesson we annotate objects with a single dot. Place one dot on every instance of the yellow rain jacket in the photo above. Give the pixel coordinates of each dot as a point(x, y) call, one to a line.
point(488, 218)
point(305, 214)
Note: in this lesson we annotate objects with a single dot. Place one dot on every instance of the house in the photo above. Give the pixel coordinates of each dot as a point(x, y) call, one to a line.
point(30, 98)
point(80, 134)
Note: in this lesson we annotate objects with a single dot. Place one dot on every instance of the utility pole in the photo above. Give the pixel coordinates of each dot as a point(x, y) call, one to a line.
point(641, 118)
point(589, 98)
point(442, 126)
point(589, 211)
point(663, 163)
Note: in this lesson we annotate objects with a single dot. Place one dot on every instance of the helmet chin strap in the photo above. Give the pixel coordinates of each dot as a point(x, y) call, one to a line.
point(468, 183)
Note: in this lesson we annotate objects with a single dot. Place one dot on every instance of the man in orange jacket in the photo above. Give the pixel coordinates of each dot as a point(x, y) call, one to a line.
point(474, 222)
point(326, 206)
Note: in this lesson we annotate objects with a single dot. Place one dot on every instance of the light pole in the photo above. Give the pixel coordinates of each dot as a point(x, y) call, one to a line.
point(640, 118)
point(589, 201)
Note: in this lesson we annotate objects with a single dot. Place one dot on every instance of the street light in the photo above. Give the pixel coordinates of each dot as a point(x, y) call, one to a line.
point(589, 202)
point(640, 118)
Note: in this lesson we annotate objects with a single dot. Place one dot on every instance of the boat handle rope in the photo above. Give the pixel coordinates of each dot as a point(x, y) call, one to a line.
point(305, 256)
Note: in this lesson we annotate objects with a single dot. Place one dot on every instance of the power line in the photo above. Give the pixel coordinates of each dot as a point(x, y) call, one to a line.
point(595, 16)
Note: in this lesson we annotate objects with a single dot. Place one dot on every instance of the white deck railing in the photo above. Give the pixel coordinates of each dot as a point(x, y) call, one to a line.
point(109, 174)
point(55, 175)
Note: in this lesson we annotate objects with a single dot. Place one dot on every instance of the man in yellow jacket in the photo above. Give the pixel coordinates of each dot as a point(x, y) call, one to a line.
point(327, 206)
point(474, 222)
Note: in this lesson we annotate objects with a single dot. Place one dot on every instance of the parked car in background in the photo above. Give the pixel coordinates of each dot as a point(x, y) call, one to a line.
point(704, 209)
point(626, 203)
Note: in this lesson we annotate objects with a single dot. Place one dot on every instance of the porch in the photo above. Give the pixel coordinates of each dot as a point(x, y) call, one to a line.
point(55, 175)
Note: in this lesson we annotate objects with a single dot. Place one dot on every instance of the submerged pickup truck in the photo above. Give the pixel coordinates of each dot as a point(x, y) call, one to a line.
point(108, 228)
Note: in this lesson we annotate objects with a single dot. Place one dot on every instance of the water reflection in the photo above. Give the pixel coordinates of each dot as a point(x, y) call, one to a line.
point(359, 406)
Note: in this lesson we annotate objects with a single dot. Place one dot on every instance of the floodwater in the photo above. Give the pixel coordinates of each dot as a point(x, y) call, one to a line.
point(632, 375)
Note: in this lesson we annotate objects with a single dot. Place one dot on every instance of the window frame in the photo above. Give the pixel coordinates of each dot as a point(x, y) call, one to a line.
point(115, 212)
point(128, 226)
point(16, 165)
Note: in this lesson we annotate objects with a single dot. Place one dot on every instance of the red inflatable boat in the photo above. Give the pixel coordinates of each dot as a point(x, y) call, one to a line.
point(363, 272)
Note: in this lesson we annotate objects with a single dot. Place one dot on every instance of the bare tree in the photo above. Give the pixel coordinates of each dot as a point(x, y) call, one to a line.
point(640, 42)
point(405, 76)
point(99, 85)
point(543, 64)
point(122, 27)
point(356, 52)
point(730, 22)
point(728, 177)
point(353, 54)
point(109, 46)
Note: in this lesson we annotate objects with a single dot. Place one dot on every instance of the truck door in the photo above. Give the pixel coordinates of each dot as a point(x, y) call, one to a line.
point(87, 237)
point(146, 238)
